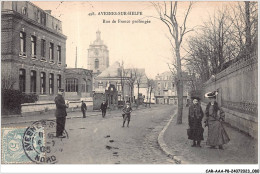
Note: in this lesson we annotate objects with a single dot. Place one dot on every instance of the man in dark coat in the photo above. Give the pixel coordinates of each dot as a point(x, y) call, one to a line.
point(83, 108)
point(103, 108)
point(195, 119)
point(60, 113)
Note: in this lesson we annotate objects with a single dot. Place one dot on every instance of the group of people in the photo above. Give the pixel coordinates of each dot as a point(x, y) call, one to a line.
point(61, 113)
point(217, 136)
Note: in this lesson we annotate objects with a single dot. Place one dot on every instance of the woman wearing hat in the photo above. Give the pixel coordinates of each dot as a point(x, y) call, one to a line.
point(217, 136)
point(195, 119)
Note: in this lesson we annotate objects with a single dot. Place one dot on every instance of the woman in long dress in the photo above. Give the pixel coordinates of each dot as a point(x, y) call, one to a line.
point(217, 136)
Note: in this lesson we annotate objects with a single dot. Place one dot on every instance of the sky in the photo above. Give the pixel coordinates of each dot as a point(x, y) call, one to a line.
point(138, 45)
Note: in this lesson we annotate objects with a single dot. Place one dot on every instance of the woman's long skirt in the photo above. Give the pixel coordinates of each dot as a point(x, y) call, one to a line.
point(217, 135)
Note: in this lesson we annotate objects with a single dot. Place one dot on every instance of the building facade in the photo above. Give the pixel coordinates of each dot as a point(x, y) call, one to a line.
point(98, 55)
point(165, 89)
point(78, 83)
point(112, 76)
point(33, 49)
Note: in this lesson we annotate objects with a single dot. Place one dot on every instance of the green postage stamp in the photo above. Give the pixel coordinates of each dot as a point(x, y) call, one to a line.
point(12, 146)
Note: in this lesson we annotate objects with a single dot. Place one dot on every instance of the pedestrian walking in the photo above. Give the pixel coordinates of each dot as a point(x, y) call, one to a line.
point(83, 108)
point(195, 119)
point(217, 136)
point(126, 114)
point(103, 108)
point(60, 113)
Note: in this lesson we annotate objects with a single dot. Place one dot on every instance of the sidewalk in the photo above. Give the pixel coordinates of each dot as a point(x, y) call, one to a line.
point(50, 116)
point(242, 149)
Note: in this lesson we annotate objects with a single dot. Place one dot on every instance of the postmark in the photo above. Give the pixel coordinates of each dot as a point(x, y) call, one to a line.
point(34, 144)
point(12, 147)
point(40, 143)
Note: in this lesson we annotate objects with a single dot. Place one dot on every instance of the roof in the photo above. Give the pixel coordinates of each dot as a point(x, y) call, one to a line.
point(111, 71)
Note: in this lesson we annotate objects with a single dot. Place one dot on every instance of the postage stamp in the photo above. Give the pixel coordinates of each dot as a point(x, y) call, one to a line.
point(40, 143)
point(12, 147)
point(34, 144)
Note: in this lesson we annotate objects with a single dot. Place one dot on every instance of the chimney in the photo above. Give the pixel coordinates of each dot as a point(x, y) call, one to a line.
point(48, 11)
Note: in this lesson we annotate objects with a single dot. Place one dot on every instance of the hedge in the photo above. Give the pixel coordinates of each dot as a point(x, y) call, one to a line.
point(12, 100)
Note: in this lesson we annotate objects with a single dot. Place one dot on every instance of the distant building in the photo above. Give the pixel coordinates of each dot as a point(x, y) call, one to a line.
point(112, 75)
point(98, 55)
point(78, 83)
point(165, 91)
point(33, 49)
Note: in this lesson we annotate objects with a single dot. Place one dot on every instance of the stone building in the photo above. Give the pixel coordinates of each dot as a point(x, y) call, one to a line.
point(165, 91)
point(78, 83)
point(33, 49)
point(112, 75)
point(98, 55)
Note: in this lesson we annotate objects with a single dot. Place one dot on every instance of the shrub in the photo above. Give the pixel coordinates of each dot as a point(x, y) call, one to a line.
point(29, 98)
point(11, 101)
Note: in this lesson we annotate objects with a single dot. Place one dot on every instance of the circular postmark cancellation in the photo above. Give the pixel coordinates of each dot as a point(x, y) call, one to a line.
point(40, 143)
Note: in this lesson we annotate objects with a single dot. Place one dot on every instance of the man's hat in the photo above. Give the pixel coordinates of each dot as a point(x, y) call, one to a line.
point(61, 90)
point(211, 94)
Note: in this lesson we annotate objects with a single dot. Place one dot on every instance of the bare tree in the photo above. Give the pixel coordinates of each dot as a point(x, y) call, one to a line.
point(223, 39)
point(7, 80)
point(151, 86)
point(138, 75)
point(167, 12)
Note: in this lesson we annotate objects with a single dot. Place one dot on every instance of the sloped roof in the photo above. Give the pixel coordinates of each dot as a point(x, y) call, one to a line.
point(111, 71)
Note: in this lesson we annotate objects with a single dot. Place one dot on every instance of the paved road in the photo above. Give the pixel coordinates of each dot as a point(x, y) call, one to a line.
point(97, 140)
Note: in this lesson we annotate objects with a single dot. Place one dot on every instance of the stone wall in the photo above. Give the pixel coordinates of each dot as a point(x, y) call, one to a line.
point(238, 93)
point(50, 107)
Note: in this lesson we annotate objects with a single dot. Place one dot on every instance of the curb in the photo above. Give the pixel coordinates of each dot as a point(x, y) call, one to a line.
point(165, 148)
point(52, 118)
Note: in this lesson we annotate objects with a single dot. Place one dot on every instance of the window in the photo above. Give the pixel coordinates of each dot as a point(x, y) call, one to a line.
point(51, 51)
point(43, 83)
point(23, 43)
point(33, 82)
point(22, 80)
point(165, 85)
point(33, 41)
point(72, 85)
point(58, 81)
point(43, 48)
point(24, 11)
point(118, 87)
point(100, 85)
point(43, 18)
point(59, 53)
point(96, 64)
point(51, 84)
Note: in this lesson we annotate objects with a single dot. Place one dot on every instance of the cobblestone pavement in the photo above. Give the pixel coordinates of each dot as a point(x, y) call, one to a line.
point(241, 149)
point(97, 140)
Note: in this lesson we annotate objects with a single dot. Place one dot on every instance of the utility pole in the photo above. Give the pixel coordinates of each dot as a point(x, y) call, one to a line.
point(76, 61)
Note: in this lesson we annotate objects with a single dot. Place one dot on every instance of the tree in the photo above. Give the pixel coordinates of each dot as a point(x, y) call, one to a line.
point(226, 37)
point(167, 12)
point(151, 86)
point(8, 80)
point(137, 75)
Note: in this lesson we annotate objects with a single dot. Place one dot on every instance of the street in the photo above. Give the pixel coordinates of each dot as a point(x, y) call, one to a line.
point(97, 140)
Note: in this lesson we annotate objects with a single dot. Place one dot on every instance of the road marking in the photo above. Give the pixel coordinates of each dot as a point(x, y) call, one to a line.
point(95, 130)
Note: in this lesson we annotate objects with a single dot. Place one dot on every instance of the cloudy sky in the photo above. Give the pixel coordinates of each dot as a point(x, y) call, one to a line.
point(138, 45)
